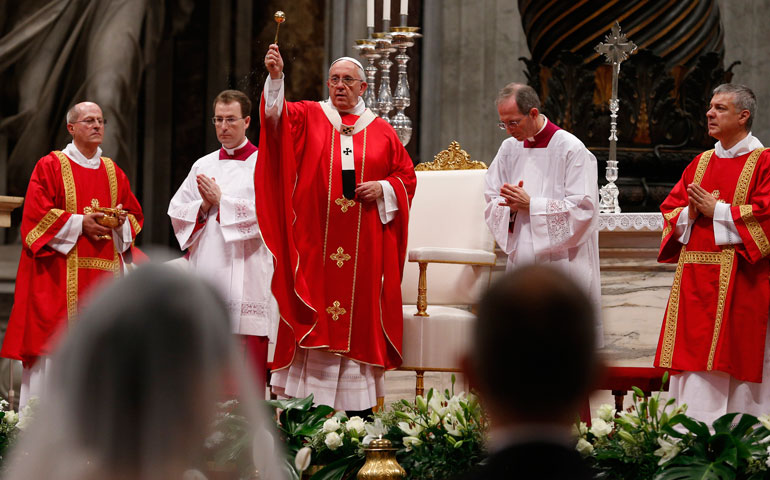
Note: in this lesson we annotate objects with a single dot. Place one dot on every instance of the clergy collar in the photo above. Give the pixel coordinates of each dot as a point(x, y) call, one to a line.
point(748, 144)
point(76, 156)
point(241, 152)
point(543, 136)
point(357, 110)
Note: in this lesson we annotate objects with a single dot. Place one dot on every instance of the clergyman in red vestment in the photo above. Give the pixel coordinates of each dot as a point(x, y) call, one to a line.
point(333, 190)
point(65, 251)
point(717, 222)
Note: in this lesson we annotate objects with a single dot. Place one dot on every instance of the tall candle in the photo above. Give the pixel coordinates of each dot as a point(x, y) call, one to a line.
point(404, 7)
point(370, 13)
point(386, 9)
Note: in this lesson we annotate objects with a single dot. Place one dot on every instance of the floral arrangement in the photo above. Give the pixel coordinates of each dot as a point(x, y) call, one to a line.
point(656, 440)
point(437, 436)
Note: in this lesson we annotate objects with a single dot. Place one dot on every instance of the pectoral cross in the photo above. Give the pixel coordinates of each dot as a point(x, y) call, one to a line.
point(347, 151)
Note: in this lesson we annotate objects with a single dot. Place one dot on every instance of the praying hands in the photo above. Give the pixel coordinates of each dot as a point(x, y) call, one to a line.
point(516, 198)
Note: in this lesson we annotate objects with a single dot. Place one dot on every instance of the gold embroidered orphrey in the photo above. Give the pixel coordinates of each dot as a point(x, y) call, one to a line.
point(340, 257)
point(335, 310)
point(71, 203)
point(725, 259)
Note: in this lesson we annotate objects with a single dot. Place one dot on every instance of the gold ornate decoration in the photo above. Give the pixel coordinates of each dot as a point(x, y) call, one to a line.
point(742, 189)
point(91, 209)
point(453, 158)
point(44, 224)
point(702, 164)
point(668, 216)
point(109, 165)
point(725, 269)
point(340, 257)
point(335, 310)
point(715, 194)
point(71, 202)
point(381, 463)
point(344, 204)
point(757, 234)
point(96, 263)
point(70, 195)
point(134, 223)
point(672, 315)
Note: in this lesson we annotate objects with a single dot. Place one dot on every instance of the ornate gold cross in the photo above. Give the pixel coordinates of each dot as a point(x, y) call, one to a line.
point(340, 257)
point(94, 205)
point(344, 203)
point(335, 310)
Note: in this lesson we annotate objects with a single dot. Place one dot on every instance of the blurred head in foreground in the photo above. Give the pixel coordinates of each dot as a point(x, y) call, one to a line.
point(136, 384)
point(534, 356)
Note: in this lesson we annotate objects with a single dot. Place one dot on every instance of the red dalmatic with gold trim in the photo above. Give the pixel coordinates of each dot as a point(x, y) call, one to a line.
point(338, 267)
point(717, 311)
point(49, 285)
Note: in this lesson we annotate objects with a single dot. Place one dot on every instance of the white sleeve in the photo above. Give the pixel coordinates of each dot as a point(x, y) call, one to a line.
point(684, 226)
point(387, 205)
point(725, 232)
point(67, 236)
point(562, 223)
point(121, 237)
point(274, 95)
point(238, 218)
point(498, 217)
point(183, 211)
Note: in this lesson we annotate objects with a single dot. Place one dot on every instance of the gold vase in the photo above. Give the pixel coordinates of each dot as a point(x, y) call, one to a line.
point(381, 462)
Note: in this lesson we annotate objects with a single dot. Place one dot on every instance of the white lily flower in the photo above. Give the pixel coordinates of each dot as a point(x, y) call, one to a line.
point(439, 405)
point(410, 441)
point(411, 429)
point(302, 459)
point(374, 430)
point(765, 421)
point(667, 450)
point(606, 412)
point(452, 425)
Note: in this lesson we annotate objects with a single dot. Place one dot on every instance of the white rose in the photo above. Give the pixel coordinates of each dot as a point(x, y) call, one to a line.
point(600, 428)
point(667, 450)
point(584, 447)
point(356, 424)
point(333, 440)
point(331, 425)
point(11, 418)
point(606, 412)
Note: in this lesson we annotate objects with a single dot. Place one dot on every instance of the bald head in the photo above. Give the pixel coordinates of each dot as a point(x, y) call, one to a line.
point(74, 113)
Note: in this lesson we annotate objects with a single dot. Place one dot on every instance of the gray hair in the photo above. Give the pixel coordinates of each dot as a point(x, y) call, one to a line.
point(525, 96)
point(743, 99)
point(73, 113)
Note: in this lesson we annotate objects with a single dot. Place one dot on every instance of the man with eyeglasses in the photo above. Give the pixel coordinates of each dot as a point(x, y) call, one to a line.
point(334, 185)
point(542, 195)
point(215, 220)
point(66, 252)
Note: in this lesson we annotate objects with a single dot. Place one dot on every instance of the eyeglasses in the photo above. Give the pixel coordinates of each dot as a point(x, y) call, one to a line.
point(93, 121)
point(509, 124)
point(228, 120)
point(348, 81)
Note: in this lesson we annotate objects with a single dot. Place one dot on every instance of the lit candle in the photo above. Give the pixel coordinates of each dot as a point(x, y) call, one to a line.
point(370, 13)
point(386, 10)
point(404, 7)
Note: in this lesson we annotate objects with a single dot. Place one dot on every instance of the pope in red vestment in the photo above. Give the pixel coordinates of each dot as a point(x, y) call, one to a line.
point(338, 264)
point(50, 285)
point(717, 313)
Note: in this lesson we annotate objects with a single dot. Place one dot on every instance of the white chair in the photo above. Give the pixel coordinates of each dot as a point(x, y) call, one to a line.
point(447, 229)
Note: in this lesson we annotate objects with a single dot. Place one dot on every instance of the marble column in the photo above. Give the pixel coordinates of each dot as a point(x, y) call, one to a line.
point(746, 40)
point(471, 51)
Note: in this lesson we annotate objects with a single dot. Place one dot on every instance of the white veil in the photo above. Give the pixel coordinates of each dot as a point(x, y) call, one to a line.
point(134, 390)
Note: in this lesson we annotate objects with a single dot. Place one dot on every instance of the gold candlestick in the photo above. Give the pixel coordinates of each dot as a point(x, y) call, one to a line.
point(279, 17)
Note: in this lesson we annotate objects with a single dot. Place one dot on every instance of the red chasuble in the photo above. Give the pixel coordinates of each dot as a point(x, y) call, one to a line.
point(338, 269)
point(717, 312)
point(49, 285)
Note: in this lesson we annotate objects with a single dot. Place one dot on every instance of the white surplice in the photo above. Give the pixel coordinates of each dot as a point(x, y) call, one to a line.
point(228, 251)
point(561, 227)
